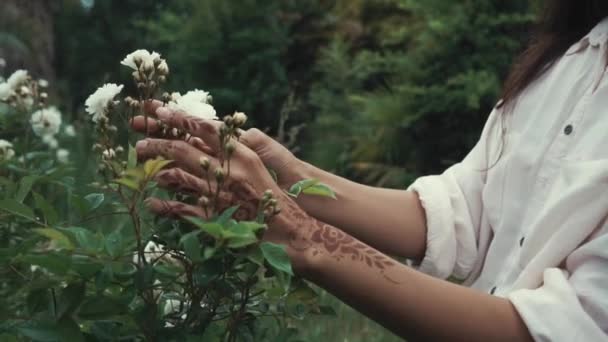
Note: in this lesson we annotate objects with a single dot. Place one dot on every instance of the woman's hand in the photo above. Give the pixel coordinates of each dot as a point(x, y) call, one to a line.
point(244, 185)
point(272, 154)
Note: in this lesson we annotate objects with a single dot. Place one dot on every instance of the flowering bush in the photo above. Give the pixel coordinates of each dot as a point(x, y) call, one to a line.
point(99, 266)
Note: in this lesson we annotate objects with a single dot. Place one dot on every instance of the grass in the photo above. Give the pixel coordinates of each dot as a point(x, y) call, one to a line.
point(347, 326)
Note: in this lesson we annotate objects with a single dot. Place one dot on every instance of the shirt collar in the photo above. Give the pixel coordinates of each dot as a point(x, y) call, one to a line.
point(599, 34)
point(595, 38)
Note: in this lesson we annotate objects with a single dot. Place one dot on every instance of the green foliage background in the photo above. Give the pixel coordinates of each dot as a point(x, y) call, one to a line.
point(388, 90)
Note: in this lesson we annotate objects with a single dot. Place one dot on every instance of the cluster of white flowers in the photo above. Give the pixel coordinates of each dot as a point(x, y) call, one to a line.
point(194, 103)
point(141, 58)
point(17, 86)
point(46, 123)
point(6, 150)
point(98, 104)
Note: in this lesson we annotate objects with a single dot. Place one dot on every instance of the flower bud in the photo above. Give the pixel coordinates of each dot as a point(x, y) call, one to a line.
point(24, 90)
point(228, 120)
point(148, 68)
point(239, 119)
point(44, 96)
point(163, 68)
point(203, 201)
point(162, 79)
point(175, 132)
point(219, 175)
point(119, 149)
point(152, 84)
point(136, 76)
point(141, 85)
point(205, 163)
point(137, 60)
point(273, 202)
point(230, 147)
point(166, 97)
point(43, 83)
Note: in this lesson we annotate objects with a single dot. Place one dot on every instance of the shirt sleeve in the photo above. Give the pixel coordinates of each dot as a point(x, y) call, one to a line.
point(453, 205)
point(572, 303)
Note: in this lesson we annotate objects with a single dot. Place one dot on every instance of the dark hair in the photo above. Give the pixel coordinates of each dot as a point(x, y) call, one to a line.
point(562, 23)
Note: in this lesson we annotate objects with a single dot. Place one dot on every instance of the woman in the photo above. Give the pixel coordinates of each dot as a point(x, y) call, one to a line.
point(523, 219)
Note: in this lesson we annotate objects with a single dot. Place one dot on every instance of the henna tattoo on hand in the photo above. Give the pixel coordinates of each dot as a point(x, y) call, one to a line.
point(324, 238)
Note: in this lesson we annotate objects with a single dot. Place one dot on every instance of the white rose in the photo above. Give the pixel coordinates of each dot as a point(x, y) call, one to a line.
point(97, 104)
point(46, 121)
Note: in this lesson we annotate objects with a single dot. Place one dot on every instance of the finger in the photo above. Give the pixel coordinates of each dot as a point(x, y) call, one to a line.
point(181, 181)
point(151, 106)
point(183, 154)
point(207, 130)
point(173, 209)
point(138, 123)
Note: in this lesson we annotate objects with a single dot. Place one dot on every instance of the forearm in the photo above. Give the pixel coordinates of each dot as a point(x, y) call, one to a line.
point(409, 303)
point(392, 221)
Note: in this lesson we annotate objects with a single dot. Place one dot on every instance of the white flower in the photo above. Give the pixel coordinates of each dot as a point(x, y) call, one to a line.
point(69, 131)
point(50, 141)
point(171, 306)
point(108, 154)
point(197, 95)
point(6, 150)
point(175, 95)
point(17, 78)
point(195, 103)
point(63, 155)
point(97, 103)
point(146, 58)
point(46, 121)
point(5, 91)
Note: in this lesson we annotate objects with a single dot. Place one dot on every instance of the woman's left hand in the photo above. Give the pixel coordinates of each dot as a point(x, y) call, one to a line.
point(245, 184)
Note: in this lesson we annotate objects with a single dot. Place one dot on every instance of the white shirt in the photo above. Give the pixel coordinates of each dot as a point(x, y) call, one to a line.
point(533, 227)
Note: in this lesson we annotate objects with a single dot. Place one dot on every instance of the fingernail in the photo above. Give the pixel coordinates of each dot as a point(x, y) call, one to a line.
point(163, 112)
point(142, 144)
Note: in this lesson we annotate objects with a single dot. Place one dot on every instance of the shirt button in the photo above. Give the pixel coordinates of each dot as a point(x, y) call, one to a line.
point(521, 242)
point(493, 290)
point(568, 130)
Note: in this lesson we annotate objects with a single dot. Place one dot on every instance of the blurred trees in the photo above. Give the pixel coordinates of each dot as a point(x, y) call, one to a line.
point(390, 89)
point(409, 96)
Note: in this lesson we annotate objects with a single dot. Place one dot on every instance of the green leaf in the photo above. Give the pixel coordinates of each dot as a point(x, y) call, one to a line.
point(129, 183)
point(207, 272)
point(49, 213)
point(17, 209)
point(321, 190)
point(25, 185)
point(85, 266)
point(311, 187)
point(54, 262)
point(153, 166)
point(84, 238)
point(58, 237)
point(132, 157)
point(327, 310)
point(70, 331)
point(70, 298)
point(41, 331)
point(192, 246)
point(226, 215)
point(95, 200)
point(100, 308)
point(38, 300)
point(114, 243)
point(212, 228)
point(277, 257)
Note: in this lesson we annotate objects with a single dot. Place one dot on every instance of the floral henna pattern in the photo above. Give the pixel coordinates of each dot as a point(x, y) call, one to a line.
point(339, 245)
